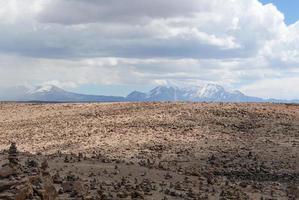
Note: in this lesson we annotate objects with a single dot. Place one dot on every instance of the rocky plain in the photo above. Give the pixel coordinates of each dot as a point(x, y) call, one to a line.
point(153, 151)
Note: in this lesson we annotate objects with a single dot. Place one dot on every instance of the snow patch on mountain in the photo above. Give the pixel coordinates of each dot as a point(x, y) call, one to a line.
point(44, 89)
point(199, 93)
point(203, 92)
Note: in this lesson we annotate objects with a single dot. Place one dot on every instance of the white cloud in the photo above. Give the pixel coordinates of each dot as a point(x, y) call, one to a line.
point(274, 88)
point(14, 11)
point(169, 28)
point(71, 42)
point(66, 85)
point(285, 50)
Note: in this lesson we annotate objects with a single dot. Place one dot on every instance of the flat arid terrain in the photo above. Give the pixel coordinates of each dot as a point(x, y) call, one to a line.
point(154, 151)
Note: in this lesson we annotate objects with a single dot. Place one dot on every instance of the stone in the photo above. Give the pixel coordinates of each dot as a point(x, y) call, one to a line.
point(137, 195)
point(27, 186)
point(57, 179)
point(79, 188)
point(31, 163)
point(48, 192)
point(122, 195)
point(13, 154)
point(5, 185)
point(24, 192)
point(293, 191)
point(7, 196)
point(44, 165)
point(7, 171)
point(67, 186)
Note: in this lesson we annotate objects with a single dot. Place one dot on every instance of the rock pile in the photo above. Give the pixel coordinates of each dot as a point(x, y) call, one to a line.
point(13, 154)
point(150, 151)
point(21, 183)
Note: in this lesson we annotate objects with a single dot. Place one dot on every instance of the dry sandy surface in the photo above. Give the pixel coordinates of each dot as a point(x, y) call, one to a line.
point(159, 150)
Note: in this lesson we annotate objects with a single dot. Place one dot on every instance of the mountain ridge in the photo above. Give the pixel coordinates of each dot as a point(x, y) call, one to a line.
point(206, 92)
point(202, 93)
point(51, 93)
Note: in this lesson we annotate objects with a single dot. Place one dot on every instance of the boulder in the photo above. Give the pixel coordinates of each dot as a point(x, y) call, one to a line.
point(24, 192)
point(67, 186)
point(79, 188)
point(7, 171)
point(5, 185)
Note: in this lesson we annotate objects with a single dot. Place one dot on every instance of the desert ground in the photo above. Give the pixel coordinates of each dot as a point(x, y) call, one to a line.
point(153, 151)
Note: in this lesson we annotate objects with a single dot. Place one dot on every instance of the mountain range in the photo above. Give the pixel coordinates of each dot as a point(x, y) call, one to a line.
point(202, 93)
point(207, 92)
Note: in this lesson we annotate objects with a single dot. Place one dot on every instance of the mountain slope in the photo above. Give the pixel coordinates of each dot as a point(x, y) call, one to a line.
point(207, 92)
point(202, 93)
point(51, 93)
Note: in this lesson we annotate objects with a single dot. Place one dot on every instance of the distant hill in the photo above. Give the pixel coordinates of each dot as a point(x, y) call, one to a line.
point(202, 93)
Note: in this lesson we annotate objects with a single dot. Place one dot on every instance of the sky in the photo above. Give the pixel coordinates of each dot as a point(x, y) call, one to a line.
point(288, 7)
point(113, 47)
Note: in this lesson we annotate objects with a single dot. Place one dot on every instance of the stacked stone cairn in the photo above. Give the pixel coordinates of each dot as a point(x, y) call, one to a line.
point(18, 182)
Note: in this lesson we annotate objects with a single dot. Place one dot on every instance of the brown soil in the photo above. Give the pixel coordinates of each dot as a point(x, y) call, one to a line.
point(159, 150)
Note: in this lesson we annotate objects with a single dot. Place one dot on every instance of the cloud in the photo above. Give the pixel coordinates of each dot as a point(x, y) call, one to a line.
point(284, 52)
point(268, 88)
point(126, 11)
point(238, 44)
point(133, 28)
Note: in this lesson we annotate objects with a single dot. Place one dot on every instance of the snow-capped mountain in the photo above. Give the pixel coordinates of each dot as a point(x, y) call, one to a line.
point(45, 89)
point(206, 92)
point(201, 93)
point(51, 93)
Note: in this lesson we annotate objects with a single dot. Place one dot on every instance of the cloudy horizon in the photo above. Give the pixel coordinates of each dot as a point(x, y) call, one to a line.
point(114, 47)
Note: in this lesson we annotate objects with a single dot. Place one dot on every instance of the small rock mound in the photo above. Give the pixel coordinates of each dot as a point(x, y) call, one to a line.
point(19, 182)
